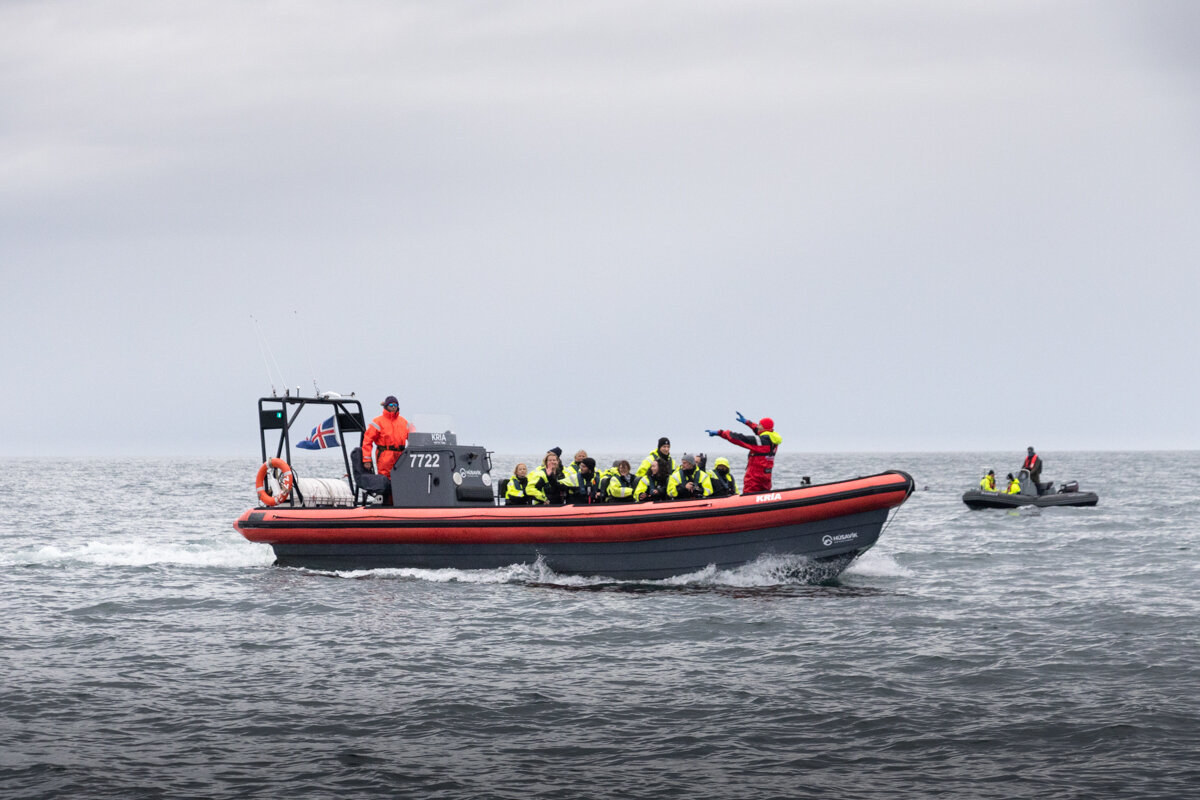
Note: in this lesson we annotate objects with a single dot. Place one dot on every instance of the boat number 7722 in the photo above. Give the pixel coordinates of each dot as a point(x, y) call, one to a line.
point(425, 460)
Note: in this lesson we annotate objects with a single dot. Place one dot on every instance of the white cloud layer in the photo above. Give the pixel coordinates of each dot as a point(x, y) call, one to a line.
point(918, 226)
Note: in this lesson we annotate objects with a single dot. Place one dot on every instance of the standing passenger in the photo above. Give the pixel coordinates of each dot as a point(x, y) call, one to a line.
point(1033, 463)
point(661, 454)
point(762, 446)
point(389, 432)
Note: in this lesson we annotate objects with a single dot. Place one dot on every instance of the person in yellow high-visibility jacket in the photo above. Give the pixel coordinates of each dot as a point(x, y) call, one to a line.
point(515, 494)
point(689, 480)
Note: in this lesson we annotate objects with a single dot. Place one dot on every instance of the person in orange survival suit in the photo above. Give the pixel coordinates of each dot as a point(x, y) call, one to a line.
point(389, 431)
point(762, 446)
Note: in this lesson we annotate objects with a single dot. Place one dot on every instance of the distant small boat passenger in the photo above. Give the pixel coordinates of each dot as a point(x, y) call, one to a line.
point(1033, 463)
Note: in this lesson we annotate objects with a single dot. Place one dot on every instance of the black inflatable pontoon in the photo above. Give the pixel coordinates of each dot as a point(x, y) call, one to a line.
point(1030, 495)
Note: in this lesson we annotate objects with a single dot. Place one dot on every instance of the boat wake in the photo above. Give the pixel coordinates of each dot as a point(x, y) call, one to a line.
point(765, 572)
point(135, 552)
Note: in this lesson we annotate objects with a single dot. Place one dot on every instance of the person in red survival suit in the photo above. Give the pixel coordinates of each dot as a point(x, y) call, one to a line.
point(389, 431)
point(762, 446)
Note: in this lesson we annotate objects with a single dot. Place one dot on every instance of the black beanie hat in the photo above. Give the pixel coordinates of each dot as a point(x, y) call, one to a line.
point(556, 450)
point(663, 440)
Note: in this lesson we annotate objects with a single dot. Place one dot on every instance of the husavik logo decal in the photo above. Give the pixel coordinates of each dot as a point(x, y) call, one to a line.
point(830, 541)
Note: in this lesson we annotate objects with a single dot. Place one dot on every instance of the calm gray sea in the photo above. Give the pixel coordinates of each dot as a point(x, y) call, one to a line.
point(148, 651)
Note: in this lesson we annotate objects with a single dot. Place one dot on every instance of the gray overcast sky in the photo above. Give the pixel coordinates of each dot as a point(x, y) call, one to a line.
point(931, 225)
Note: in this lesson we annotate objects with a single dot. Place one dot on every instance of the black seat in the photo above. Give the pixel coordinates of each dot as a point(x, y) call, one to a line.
point(367, 482)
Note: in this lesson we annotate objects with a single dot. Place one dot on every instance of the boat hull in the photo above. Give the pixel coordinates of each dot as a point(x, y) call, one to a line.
point(977, 499)
point(654, 558)
point(829, 525)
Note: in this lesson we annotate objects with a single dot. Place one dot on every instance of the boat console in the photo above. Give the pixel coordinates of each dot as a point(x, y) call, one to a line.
point(434, 471)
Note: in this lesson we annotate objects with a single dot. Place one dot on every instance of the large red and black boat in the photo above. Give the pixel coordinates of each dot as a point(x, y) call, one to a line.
point(445, 514)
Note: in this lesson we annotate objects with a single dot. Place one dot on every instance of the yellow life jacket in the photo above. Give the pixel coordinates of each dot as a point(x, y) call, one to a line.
point(654, 454)
point(697, 476)
point(515, 493)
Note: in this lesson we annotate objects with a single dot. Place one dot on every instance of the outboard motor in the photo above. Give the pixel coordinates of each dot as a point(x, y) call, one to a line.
point(434, 471)
point(1069, 486)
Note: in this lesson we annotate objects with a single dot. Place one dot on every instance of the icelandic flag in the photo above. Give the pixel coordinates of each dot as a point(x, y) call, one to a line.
point(324, 435)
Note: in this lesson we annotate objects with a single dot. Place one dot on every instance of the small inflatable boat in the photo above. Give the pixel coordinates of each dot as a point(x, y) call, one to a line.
point(444, 514)
point(1031, 495)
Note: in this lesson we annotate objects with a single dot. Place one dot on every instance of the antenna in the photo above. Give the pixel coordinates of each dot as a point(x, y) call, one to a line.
point(264, 347)
point(308, 353)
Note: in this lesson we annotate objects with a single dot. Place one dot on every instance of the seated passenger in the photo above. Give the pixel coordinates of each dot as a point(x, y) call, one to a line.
point(653, 485)
point(723, 482)
point(1014, 485)
point(545, 483)
point(586, 485)
point(515, 495)
point(570, 471)
point(606, 478)
point(618, 484)
point(988, 483)
point(661, 454)
point(688, 481)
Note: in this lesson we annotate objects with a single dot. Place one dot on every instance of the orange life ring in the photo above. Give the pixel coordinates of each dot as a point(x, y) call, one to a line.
point(285, 482)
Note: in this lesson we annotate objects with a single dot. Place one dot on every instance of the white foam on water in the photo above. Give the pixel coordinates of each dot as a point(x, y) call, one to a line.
point(513, 573)
point(874, 564)
point(764, 571)
point(502, 575)
point(141, 553)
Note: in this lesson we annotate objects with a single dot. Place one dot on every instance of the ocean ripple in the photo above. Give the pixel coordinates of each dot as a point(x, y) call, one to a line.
point(150, 652)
